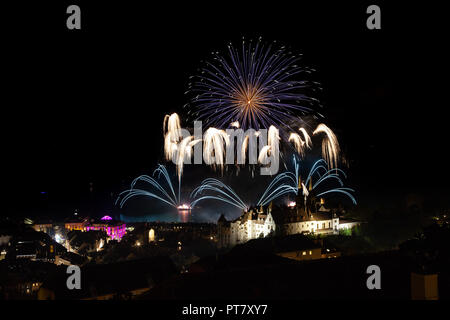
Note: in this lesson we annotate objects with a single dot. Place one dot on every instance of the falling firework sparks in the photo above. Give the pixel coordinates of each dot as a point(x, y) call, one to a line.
point(222, 192)
point(330, 145)
point(244, 148)
point(252, 85)
point(215, 142)
point(264, 154)
point(174, 149)
point(184, 150)
point(308, 141)
point(300, 144)
point(171, 132)
point(272, 149)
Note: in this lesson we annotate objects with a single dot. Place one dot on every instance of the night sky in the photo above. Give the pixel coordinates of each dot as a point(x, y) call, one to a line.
point(87, 106)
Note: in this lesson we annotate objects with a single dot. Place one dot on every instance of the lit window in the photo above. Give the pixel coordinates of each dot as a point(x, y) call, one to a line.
point(304, 253)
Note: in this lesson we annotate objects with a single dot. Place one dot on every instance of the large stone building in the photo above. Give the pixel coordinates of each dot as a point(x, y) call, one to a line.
point(251, 225)
point(306, 214)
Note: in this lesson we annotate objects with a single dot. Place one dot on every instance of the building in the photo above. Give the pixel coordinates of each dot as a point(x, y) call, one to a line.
point(43, 226)
point(114, 229)
point(295, 247)
point(302, 216)
point(22, 278)
point(70, 258)
point(250, 275)
point(251, 225)
point(75, 223)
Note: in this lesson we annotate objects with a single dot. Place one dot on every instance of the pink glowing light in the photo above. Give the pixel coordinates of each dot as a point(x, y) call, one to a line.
point(114, 232)
point(106, 218)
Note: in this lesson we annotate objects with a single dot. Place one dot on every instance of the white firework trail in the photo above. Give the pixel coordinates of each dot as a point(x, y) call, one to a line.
point(308, 141)
point(184, 150)
point(298, 143)
point(330, 145)
point(215, 142)
point(272, 149)
point(172, 135)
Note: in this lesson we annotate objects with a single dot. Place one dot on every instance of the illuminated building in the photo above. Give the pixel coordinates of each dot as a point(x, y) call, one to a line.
point(114, 229)
point(251, 225)
point(75, 224)
point(322, 221)
point(296, 217)
point(46, 227)
point(151, 235)
point(309, 215)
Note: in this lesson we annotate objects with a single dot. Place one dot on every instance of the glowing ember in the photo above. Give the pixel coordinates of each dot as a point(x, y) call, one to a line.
point(291, 204)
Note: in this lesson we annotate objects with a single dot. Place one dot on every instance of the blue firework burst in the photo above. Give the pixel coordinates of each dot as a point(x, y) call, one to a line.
point(256, 85)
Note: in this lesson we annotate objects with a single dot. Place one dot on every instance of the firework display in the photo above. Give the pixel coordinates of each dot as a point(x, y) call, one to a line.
point(165, 194)
point(253, 87)
point(330, 145)
point(238, 152)
point(290, 182)
point(255, 84)
point(222, 192)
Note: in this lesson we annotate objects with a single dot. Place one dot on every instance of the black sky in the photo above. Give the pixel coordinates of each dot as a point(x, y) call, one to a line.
point(87, 106)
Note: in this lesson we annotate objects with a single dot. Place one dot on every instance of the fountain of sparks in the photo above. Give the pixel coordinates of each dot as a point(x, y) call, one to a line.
point(221, 192)
point(166, 194)
point(282, 184)
point(327, 174)
point(289, 182)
